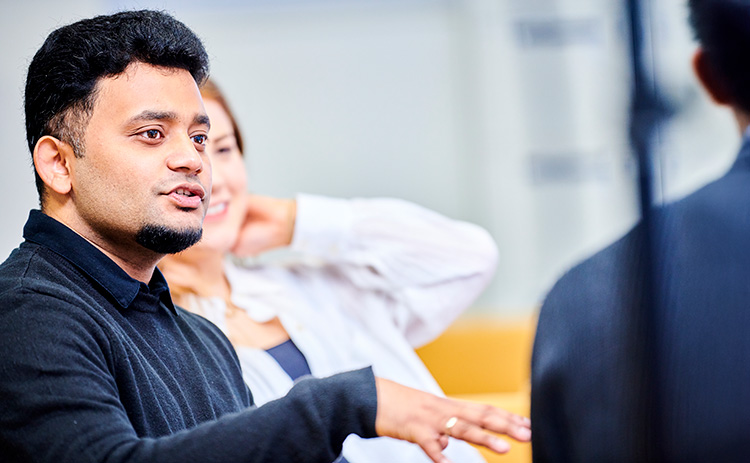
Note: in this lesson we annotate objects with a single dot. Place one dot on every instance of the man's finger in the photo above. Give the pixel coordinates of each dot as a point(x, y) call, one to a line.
point(433, 447)
point(497, 420)
point(476, 435)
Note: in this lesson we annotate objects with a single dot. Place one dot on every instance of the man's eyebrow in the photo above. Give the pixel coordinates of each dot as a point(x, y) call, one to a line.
point(153, 116)
point(203, 120)
point(166, 115)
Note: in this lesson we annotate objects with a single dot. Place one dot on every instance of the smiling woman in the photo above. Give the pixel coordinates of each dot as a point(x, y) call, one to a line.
point(388, 276)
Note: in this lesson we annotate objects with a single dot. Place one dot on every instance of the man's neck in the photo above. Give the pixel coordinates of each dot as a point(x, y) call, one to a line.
point(131, 257)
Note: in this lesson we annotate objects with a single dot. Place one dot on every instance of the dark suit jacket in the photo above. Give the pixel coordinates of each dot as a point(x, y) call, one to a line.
point(588, 386)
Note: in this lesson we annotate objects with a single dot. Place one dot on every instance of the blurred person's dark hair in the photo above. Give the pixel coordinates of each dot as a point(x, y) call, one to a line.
point(62, 78)
point(722, 27)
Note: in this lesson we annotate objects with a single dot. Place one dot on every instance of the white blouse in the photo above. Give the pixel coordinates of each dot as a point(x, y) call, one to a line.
point(370, 280)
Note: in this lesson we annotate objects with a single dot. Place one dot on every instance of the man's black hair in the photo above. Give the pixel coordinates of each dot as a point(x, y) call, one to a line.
point(62, 76)
point(722, 27)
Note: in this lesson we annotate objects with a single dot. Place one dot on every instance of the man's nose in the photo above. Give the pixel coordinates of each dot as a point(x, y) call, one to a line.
point(185, 157)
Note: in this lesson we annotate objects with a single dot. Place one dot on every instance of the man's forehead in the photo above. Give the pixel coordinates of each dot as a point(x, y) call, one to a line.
point(146, 91)
point(141, 76)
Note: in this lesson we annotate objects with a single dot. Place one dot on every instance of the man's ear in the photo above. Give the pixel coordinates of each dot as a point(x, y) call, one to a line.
point(710, 79)
point(52, 163)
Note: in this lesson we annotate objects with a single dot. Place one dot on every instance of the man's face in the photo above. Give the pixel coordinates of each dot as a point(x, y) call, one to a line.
point(144, 169)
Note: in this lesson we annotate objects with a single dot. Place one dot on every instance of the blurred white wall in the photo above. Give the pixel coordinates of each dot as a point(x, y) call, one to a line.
point(23, 28)
point(508, 113)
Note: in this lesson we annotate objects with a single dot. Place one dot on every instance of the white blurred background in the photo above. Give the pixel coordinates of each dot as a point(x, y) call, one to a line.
point(508, 113)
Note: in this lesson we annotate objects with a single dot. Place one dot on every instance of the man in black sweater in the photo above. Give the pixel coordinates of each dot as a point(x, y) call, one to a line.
point(97, 363)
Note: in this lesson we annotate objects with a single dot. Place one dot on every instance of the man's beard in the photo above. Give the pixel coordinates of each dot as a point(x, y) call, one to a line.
point(163, 240)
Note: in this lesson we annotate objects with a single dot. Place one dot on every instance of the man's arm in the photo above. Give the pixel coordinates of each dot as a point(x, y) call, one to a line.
point(586, 375)
point(63, 385)
point(548, 379)
point(61, 403)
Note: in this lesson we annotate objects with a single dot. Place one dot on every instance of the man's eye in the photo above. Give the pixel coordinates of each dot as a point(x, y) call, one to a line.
point(200, 139)
point(152, 133)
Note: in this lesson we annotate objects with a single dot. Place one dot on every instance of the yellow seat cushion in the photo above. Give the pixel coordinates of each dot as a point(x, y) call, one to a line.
point(481, 355)
point(486, 360)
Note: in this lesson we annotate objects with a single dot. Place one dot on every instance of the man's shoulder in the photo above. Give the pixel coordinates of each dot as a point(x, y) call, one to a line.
point(34, 272)
point(21, 267)
point(601, 277)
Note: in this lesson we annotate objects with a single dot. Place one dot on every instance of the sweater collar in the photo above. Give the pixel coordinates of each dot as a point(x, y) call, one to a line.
point(48, 232)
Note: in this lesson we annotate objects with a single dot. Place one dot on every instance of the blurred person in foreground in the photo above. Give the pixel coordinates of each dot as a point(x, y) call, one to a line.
point(98, 364)
point(588, 385)
point(377, 278)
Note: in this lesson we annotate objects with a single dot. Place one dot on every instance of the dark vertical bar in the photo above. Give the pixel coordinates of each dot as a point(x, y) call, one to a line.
point(646, 113)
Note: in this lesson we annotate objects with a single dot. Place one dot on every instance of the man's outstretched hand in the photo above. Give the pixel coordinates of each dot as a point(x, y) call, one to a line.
point(428, 420)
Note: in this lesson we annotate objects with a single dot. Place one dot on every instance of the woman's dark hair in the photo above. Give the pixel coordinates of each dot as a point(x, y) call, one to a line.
point(62, 77)
point(722, 27)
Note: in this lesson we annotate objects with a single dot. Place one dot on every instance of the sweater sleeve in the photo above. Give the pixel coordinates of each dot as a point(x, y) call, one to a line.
point(429, 267)
point(309, 424)
point(61, 403)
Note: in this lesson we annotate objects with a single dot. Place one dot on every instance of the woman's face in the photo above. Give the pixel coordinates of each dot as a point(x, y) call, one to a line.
point(226, 211)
